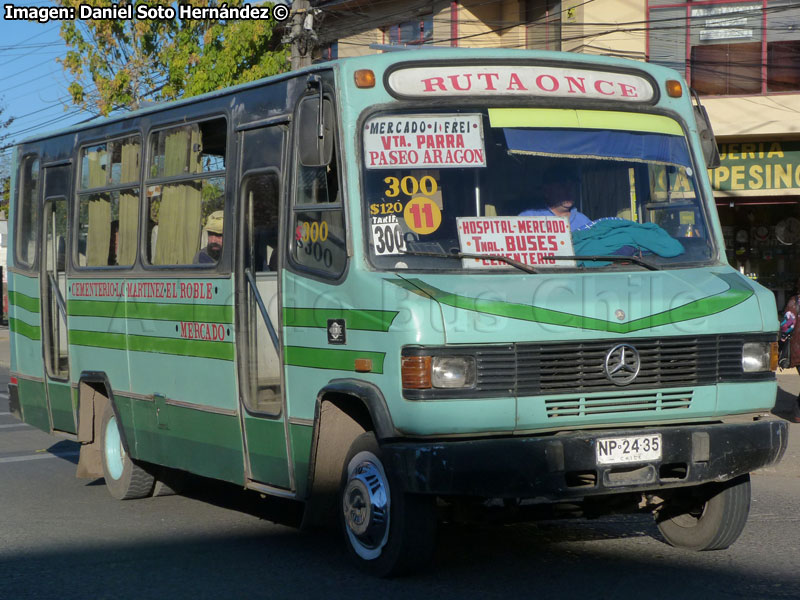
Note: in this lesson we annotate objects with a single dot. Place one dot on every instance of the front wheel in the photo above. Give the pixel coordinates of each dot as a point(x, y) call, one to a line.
point(387, 531)
point(711, 519)
point(125, 479)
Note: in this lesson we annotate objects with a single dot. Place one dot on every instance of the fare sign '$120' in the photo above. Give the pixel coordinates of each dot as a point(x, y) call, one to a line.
point(424, 141)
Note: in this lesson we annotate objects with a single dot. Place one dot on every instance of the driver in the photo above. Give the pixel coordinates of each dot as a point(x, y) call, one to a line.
point(560, 187)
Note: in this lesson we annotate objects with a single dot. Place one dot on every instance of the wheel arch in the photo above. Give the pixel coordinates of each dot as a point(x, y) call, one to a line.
point(345, 409)
point(363, 400)
point(94, 393)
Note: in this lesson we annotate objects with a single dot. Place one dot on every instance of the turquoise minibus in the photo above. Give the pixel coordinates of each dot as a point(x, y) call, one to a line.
point(396, 286)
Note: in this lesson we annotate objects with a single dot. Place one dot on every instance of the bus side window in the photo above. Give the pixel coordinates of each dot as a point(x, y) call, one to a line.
point(27, 214)
point(108, 219)
point(186, 194)
point(318, 240)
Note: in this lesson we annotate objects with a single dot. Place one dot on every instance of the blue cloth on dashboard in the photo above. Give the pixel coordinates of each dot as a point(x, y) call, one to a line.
point(617, 236)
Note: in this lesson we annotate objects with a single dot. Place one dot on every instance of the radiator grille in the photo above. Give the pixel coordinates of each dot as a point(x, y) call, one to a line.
point(567, 367)
point(576, 369)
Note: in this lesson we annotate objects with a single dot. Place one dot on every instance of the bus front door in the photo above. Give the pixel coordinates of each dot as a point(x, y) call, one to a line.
point(261, 389)
point(53, 277)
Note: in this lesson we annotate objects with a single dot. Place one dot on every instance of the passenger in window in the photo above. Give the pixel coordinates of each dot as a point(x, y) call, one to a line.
point(213, 249)
point(560, 187)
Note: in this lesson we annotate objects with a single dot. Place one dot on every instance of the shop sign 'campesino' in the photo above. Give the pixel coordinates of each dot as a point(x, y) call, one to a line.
point(757, 166)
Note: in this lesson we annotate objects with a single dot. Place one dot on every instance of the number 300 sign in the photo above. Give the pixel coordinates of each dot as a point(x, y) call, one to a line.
point(421, 214)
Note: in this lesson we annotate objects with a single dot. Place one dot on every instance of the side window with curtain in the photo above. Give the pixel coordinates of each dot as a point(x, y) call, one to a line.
point(318, 240)
point(108, 203)
point(186, 194)
point(27, 213)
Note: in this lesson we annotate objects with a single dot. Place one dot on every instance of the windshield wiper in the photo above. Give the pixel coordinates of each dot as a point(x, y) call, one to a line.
point(610, 258)
point(510, 261)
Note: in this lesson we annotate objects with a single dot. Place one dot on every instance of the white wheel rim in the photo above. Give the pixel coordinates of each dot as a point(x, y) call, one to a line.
point(113, 450)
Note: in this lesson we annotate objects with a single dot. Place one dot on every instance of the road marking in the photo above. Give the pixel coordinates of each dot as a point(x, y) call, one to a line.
point(4, 412)
point(14, 425)
point(11, 459)
point(4, 395)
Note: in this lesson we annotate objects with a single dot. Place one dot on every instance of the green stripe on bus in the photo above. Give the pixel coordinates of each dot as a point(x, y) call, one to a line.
point(329, 358)
point(737, 292)
point(29, 303)
point(158, 345)
point(32, 332)
point(151, 310)
point(583, 119)
point(363, 320)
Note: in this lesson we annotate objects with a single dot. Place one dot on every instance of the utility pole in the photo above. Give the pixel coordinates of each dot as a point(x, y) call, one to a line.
point(302, 36)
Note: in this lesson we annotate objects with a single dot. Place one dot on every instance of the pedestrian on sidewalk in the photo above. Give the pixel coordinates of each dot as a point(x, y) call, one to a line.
point(789, 324)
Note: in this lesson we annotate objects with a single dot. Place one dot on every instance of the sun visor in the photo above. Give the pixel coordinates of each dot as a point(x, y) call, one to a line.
point(599, 144)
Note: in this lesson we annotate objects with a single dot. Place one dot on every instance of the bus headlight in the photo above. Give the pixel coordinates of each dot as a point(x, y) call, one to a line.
point(453, 371)
point(757, 356)
point(426, 372)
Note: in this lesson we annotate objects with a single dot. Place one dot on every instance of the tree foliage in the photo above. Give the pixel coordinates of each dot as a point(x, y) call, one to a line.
point(121, 63)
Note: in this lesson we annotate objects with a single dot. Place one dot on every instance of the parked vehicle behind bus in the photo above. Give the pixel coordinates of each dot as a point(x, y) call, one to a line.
point(393, 286)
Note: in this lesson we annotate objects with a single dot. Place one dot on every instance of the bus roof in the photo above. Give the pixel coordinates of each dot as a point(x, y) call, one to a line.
point(374, 61)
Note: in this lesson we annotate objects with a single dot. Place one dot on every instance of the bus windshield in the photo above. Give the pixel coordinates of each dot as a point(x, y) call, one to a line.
point(537, 186)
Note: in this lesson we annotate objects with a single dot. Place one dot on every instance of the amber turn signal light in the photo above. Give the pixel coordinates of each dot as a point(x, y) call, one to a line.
point(365, 78)
point(773, 356)
point(674, 88)
point(416, 372)
point(363, 365)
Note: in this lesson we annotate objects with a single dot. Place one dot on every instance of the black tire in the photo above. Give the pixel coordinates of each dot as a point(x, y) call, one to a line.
point(387, 532)
point(710, 518)
point(125, 479)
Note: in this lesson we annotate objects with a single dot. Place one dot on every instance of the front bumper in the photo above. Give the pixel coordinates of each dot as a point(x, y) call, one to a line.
point(553, 468)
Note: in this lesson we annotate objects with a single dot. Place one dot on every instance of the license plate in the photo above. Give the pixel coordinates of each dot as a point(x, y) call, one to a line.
point(633, 449)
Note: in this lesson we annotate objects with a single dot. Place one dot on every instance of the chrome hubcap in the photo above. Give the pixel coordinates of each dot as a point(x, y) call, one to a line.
point(366, 505)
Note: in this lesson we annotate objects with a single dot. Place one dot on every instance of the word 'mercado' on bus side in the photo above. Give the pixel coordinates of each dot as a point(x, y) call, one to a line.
point(598, 352)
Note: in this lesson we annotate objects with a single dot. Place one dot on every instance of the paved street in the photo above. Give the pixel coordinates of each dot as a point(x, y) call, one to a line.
point(62, 537)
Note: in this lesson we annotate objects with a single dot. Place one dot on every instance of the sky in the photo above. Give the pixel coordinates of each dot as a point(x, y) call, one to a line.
point(34, 85)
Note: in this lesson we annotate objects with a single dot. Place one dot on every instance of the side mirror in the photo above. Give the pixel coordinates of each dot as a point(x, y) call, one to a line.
point(707, 140)
point(315, 132)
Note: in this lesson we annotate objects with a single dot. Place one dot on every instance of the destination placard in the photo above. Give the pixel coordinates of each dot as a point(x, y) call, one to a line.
point(525, 239)
point(518, 80)
point(424, 141)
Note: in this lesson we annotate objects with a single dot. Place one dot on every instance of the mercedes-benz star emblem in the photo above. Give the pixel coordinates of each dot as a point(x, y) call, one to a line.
point(622, 364)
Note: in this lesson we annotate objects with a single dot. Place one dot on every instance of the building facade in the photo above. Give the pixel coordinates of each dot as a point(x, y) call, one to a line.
point(741, 56)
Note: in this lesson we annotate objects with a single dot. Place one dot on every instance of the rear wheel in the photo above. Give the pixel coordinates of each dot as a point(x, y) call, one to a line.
point(125, 480)
point(710, 518)
point(387, 531)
